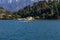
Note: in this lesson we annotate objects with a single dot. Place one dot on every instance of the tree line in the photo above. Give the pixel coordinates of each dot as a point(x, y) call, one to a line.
point(40, 10)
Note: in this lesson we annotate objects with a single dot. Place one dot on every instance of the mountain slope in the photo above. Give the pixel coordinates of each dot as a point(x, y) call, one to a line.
point(15, 5)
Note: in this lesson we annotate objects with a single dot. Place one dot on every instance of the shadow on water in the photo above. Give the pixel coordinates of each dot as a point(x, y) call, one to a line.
point(30, 30)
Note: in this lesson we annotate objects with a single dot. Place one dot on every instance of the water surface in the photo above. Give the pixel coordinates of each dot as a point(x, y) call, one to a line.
point(30, 30)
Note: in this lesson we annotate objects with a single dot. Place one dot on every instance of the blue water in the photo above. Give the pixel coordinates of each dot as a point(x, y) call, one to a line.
point(30, 30)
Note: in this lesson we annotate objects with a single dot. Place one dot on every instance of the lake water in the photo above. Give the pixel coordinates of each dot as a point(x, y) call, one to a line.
point(30, 30)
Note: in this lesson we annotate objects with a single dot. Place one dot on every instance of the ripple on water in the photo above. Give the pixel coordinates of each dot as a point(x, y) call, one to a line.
point(30, 30)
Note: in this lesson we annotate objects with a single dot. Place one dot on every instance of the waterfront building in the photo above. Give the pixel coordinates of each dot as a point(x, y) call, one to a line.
point(2, 12)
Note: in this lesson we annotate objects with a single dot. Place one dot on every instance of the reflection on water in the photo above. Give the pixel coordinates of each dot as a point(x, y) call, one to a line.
point(30, 30)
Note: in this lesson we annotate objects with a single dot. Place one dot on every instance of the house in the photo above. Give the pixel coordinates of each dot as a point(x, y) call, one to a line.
point(2, 13)
point(9, 16)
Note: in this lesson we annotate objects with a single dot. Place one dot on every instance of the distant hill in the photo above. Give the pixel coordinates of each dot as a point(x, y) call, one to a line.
point(14, 6)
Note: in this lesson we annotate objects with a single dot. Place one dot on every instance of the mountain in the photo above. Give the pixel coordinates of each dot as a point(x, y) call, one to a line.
point(15, 5)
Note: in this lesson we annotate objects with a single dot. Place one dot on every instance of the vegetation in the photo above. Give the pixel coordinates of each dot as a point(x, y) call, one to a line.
point(39, 10)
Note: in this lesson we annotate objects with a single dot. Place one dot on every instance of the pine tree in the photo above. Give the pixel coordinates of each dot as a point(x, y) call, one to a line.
point(56, 5)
